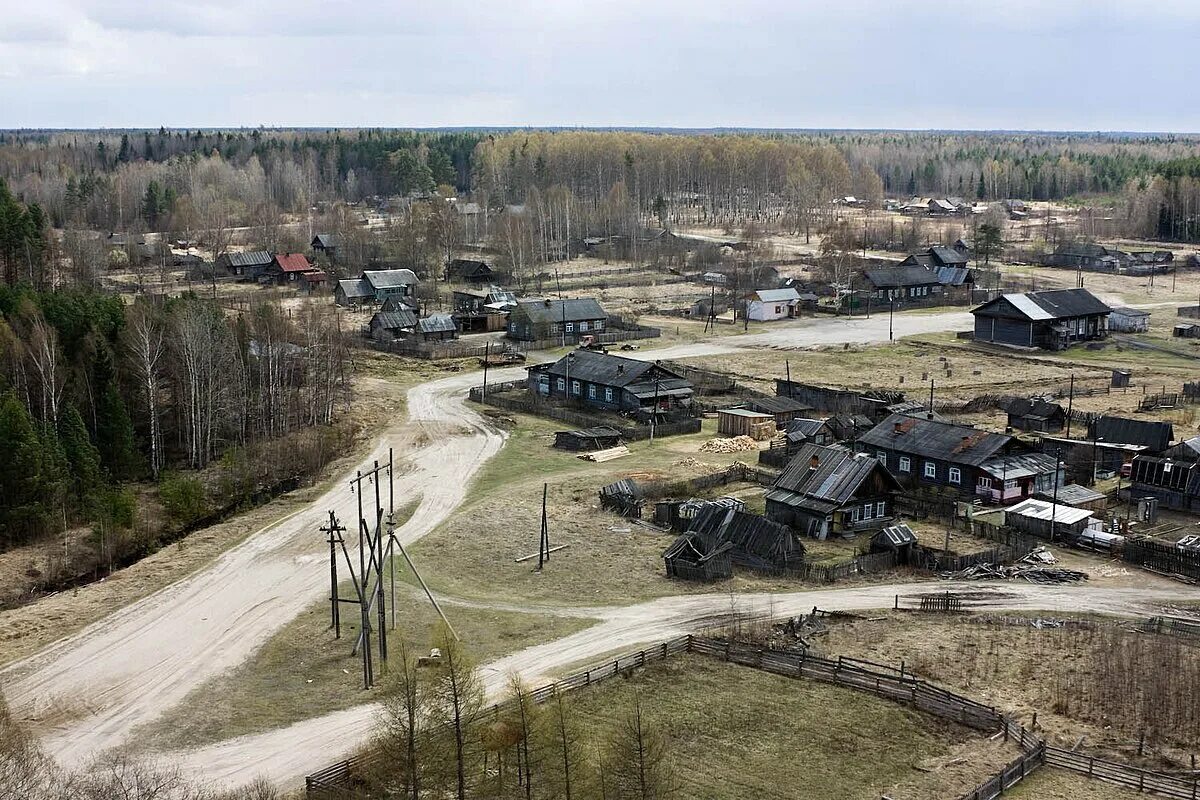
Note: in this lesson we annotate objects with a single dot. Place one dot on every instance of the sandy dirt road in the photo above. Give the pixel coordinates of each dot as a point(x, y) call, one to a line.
point(286, 754)
point(88, 691)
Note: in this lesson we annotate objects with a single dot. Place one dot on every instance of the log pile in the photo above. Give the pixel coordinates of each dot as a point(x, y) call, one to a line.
point(1027, 572)
point(735, 444)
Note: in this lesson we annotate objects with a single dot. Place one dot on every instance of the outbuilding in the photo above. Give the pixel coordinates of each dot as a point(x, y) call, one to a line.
point(1129, 320)
point(743, 422)
point(1047, 520)
point(771, 304)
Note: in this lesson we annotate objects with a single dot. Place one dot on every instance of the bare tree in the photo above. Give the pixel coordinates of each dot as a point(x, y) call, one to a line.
point(640, 766)
point(404, 705)
point(144, 343)
point(458, 699)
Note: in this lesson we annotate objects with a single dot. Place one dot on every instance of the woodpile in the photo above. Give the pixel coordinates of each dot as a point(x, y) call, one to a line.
point(735, 444)
point(1032, 573)
point(606, 455)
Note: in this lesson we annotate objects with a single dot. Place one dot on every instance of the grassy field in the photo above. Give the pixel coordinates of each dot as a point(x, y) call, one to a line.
point(1060, 784)
point(1079, 682)
point(303, 671)
point(737, 733)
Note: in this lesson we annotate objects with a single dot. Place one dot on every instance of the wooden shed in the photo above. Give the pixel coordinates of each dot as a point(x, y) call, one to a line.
point(742, 422)
point(587, 439)
point(1039, 518)
point(699, 557)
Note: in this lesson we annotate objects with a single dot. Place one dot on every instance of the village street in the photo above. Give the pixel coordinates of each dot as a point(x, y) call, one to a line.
point(88, 691)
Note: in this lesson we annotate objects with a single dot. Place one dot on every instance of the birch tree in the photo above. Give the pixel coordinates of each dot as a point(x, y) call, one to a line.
point(147, 352)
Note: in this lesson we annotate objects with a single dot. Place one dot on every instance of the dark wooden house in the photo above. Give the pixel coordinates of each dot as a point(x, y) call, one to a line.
point(326, 243)
point(902, 284)
point(825, 491)
point(929, 452)
point(1035, 415)
point(531, 320)
point(611, 383)
point(388, 283)
point(783, 409)
point(1176, 484)
point(470, 270)
point(1051, 320)
point(436, 328)
point(1153, 435)
point(287, 268)
point(353, 292)
point(243, 266)
point(388, 325)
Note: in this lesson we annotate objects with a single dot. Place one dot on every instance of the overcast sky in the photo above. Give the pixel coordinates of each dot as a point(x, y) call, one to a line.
point(1012, 64)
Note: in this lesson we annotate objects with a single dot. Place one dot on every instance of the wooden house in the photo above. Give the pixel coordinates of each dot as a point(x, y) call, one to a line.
point(902, 284)
point(388, 283)
point(531, 320)
point(743, 422)
point(611, 383)
point(247, 266)
point(469, 270)
point(1129, 320)
point(436, 328)
point(1175, 484)
point(1186, 330)
point(287, 268)
point(1051, 320)
point(353, 292)
point(1035, 415)
point(929, 452)
point(830, 490)
point(388, 325)
point(327, 244)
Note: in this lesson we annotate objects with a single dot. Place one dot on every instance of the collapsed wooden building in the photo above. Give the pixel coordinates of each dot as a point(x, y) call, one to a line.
point(754, 542)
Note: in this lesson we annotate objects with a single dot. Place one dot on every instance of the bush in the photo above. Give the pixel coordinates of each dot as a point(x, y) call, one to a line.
point(183, 497)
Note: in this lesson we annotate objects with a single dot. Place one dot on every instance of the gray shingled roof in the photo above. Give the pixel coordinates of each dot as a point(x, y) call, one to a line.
point(253, 258)
point(609, 370)
point(899, 277)
point(549, 311)
point(958, 444)
point(355, 288)
point(389, 278)
point(948, 256)
point(436, 323)
point(838, 474)
point(394, 320)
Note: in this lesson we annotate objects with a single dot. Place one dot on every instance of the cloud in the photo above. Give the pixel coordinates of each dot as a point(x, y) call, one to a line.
point(1081, 64)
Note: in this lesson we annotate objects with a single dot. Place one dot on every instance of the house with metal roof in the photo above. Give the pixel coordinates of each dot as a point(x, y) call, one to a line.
point(1176, 484)
point(1051, 320)
point(830, 490)
point(611, 383)
point(353, 292)
point(530, 320)
point(286, 268)
point(770, 304)
point(388, 325)
point(902, 284)
point(243, 266)
point(930, 452)
point(436, 328)
point(387, 283)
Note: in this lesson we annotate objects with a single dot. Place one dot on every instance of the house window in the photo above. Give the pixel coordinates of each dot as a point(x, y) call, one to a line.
point(570, 327)
point(905, 464)
point(598, 325)
point(778, 309)
point(1011, 483)
point(575, 388)
point(554, 327)
point(854, 514)
point(880, 508)
point(881, 456)
point(608, 394)
point(955, 475)
point(583, 326)
point(562, 385)
point(868, 511)
point(591, 391)
point(984, 482)
point(930, 469)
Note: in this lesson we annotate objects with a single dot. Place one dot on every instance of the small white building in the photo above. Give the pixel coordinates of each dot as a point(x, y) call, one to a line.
point(768, 304)
point(1129, 320)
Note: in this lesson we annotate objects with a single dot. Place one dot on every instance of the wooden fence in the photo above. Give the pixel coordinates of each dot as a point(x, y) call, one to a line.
point(1185, 785)
point(1161, 557)
point(1032, 757)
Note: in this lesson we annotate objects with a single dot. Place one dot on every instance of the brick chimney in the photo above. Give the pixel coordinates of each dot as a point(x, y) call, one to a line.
point(814, 462)
point(898, 428)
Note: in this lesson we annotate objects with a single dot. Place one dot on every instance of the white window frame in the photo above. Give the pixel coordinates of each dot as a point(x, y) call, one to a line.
point(591, 391)
point(930, 470)
point(562, 385)
point(598, 325)
point(954, 475)
point(868, 512)
point(984, 482)
point(575, 388)
point(608, 394)
point(854, 512)
point(905, 464)
point(570, 327)
point(881, 457)
point(1011, 483)
point(881, 509)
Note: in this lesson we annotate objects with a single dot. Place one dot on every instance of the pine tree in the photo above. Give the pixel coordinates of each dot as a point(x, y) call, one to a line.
point(114, 436)
point(83, 459)
point(23, 512)
point(981, 190)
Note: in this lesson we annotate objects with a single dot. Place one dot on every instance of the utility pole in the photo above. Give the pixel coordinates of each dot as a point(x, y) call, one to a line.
point(1070, 404)
point(487, 352)
point(1054, 503)
point(931, 395)
point(891, 316)
point(544, 538)
point(335, 538)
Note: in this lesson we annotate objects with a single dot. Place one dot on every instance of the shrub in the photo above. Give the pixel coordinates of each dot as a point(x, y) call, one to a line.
point(183, 497)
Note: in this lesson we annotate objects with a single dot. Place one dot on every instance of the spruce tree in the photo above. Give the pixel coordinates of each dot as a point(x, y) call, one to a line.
point(114, 436)
point(83, 459)
point(23, 511)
